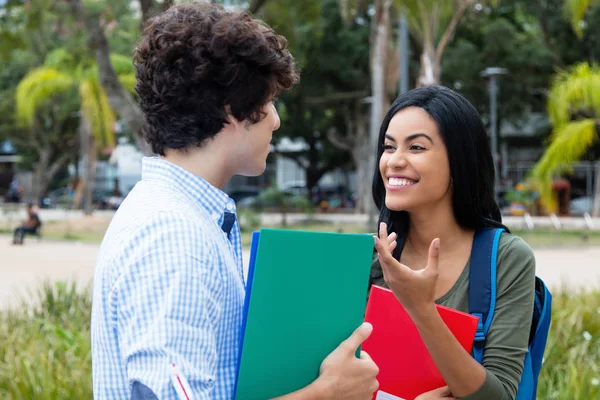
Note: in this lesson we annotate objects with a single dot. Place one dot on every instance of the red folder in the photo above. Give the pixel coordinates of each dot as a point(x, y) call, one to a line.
point(406, 369)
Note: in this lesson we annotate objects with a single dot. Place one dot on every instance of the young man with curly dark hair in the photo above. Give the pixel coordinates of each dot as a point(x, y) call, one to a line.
point(169, 285)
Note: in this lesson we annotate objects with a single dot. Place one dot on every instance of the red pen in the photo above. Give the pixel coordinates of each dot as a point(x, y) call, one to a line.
point(182, 387)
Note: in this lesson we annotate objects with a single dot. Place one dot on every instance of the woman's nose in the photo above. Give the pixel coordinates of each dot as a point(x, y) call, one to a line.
point(397, 160)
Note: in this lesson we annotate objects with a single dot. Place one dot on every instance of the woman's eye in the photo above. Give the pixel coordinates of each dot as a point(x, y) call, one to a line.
point(416, 147)
point(388, 147)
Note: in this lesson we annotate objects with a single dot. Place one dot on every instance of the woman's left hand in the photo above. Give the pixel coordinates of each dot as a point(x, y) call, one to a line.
point(437, 394)
point(415, 290)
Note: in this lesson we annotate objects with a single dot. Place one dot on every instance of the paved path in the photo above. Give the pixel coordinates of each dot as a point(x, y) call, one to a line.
point(269, 219)
point(23, 268)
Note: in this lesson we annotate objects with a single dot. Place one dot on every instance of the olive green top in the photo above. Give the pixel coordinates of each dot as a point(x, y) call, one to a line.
point(507, 338)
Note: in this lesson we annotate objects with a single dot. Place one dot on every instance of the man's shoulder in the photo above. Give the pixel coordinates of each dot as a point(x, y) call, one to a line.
point(150, 200)
point(152, 215)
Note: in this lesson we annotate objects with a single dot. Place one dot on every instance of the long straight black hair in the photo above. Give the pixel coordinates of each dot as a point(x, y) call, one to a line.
point(469, 158)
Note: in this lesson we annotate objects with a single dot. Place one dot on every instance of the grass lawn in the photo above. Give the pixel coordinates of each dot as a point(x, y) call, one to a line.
point(88, 229)
point(45, 349)
point(542, 237)
point(91, 229)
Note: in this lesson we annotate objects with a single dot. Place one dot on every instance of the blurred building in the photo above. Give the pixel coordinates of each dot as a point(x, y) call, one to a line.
point(8, 162)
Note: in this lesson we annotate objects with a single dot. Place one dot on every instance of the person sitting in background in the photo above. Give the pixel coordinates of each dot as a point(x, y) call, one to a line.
point(14, 193)
point(31, 225)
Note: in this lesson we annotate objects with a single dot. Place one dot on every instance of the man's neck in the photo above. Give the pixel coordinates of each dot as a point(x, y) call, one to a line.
point(207, 162)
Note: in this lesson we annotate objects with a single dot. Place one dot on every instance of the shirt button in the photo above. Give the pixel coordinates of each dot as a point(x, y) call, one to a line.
point(229, 207)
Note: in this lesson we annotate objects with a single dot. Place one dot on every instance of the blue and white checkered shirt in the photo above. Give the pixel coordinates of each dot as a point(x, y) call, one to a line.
point(168, 288)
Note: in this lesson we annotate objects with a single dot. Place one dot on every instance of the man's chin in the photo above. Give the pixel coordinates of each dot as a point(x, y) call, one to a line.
point(253, 171)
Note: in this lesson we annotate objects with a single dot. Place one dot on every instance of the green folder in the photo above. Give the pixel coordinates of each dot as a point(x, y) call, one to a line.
point(307, 293)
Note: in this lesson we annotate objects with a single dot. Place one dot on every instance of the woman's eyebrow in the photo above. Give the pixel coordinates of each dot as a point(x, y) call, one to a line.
point(418, 135)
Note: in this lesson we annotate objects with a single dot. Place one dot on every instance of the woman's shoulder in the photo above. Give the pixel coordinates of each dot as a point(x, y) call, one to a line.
point(516, 260)
point(514, 247)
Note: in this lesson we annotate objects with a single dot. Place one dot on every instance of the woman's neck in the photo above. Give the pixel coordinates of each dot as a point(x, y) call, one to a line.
point(428, 225)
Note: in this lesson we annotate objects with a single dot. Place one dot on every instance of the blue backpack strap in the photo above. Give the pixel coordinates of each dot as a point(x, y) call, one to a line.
point(534, 358)
point(482, 284)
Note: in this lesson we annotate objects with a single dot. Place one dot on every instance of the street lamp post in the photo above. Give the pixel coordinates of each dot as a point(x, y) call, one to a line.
point(404, 53)
point(492, 73)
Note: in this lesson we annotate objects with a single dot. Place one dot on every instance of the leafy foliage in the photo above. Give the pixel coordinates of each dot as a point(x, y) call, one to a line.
point(573, 107)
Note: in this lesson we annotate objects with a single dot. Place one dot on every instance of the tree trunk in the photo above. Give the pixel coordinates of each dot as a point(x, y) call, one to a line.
point(118, 98)
point(46, 169)
point(255, 6)
point(356, 142)
point(150, 8)
point(41, 178)
point(312, 174)
point(379, 98)
point(88, 165)
point(361, 153)
point(364, 170)
point(596, 209)
point(90, 178)
point(88, 151)
point(430, 68)
point(49, 171)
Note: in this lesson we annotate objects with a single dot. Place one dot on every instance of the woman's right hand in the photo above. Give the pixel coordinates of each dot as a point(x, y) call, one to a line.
point(415, 290)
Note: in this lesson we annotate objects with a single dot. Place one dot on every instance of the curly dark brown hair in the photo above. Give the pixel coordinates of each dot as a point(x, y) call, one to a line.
point(194, 60)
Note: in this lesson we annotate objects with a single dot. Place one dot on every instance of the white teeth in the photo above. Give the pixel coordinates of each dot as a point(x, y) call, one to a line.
point(400, 182)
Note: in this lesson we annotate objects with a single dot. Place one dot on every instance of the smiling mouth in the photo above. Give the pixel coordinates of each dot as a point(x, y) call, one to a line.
point(401, 182)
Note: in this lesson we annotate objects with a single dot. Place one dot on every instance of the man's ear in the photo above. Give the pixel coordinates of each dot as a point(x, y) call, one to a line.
point(232, 122)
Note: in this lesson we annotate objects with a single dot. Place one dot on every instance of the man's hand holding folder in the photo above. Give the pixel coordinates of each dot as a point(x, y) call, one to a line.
point(343, 375)
point(351, 377)
point(300, 333)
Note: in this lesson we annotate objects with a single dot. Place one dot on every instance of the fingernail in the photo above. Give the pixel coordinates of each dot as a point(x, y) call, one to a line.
point(367, 325)
point(436, 243)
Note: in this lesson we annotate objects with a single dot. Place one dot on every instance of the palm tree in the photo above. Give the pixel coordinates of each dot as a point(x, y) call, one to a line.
point(433, 23)
point(574, 110)
point(575, 10)
point(59, 74)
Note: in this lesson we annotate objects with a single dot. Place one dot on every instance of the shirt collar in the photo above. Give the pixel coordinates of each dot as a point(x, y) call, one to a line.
point(212, 199)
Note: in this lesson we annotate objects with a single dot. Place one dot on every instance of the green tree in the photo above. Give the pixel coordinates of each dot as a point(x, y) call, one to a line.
point(51, 141)
point(41, 27)
point(433, 24)
point(576, 10)
point(574, 109)
point(508, 36)
point(96, 17)
point(333, 58)
point(59, 74)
